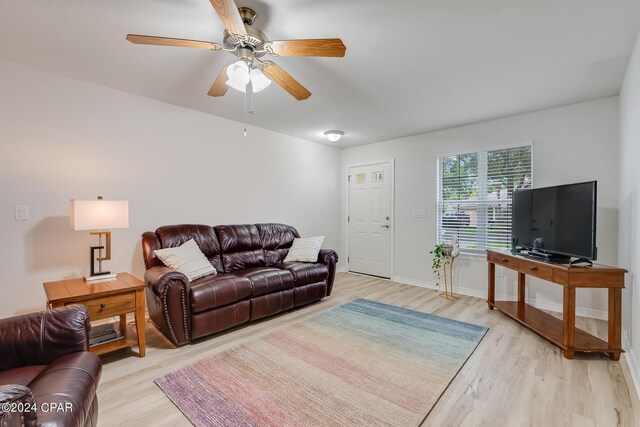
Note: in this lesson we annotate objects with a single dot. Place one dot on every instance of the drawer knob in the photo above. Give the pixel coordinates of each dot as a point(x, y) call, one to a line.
point(505, 260)
point(532, 268)
point(102, 306)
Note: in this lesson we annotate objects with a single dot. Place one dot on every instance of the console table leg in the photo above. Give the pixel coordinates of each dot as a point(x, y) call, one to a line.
point(521, 291)
point(615, 321)
point(569, 321)
point(491, 298)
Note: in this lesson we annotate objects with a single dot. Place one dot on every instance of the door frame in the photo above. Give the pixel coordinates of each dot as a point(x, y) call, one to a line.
point(391, 162)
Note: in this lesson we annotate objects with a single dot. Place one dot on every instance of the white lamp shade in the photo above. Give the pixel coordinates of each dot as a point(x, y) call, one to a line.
point(258, 80)
point(99, 214)
point(242, 87)
point(238, 74)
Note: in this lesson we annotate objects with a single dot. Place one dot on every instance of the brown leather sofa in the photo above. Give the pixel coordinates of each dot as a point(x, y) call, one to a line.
point(252, 281)
point(47, 375)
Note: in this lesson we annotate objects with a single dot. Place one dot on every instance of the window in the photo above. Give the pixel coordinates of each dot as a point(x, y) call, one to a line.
point(475, 194)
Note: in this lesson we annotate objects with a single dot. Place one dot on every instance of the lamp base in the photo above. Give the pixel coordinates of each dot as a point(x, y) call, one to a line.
point(100, 277)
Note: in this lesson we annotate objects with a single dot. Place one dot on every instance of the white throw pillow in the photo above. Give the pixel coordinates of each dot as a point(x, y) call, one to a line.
point(188, 259)
point(305, 250)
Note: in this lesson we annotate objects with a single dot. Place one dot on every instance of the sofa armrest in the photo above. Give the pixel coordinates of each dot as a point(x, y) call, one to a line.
point(168, 302)
point(17, 406)
point(40, 338)
point(329, 257)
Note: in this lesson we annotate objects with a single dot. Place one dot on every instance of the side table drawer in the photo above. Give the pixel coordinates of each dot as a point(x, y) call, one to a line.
point(536, 270)
point(113, 305)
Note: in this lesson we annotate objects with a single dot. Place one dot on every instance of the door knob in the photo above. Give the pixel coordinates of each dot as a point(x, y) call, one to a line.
point(384, 226)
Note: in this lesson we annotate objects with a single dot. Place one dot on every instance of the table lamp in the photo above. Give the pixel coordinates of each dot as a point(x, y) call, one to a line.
point(99, 215)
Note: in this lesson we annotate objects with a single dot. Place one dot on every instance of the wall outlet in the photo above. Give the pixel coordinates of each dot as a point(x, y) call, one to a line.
point(418, 213)
point(500, 271)
point(22, 213)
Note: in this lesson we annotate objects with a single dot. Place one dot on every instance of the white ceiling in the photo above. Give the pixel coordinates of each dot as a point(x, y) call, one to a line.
point(411, 66)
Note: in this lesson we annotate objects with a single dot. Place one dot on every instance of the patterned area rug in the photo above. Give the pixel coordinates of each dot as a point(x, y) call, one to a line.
point(361, 363)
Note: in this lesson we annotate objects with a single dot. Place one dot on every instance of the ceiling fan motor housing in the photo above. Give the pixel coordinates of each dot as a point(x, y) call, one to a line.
point(255, 39)
point(247, 14)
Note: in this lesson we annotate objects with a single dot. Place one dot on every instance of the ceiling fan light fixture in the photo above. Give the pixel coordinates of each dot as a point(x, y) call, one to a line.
point(238, 74)
point(258, 80)
point(334, 135)
point(242, 87)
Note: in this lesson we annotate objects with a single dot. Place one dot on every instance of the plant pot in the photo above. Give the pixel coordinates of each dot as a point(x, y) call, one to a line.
point(447, 250)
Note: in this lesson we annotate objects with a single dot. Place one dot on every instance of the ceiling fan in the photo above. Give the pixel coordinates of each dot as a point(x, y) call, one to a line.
point(249, 45)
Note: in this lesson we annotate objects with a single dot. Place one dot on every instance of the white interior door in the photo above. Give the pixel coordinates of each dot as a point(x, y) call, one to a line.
point(370, 219)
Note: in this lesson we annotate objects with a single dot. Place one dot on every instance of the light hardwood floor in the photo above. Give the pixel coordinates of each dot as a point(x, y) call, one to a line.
point(514, 378)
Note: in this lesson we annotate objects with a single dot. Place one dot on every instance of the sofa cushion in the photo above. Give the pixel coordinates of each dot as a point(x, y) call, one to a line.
point(305, 273)
point(172, 236)
point(276, 240)
point(71, 379)
point(265, 280)
point(241, 246)
point(217, 291)
point(23, 375)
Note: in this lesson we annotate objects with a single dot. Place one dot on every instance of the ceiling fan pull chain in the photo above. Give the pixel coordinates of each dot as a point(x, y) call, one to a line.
point(250, 89)
point(245, 112)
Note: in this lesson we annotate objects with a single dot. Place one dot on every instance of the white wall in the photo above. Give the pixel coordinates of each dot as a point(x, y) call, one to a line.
point(571, 144)
point(629, 232)
point(62, 139)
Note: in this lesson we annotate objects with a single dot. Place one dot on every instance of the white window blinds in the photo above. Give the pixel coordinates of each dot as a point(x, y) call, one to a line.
point(475, 194)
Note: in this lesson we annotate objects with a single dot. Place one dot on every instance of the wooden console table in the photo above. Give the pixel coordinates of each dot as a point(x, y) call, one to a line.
point(563, 333)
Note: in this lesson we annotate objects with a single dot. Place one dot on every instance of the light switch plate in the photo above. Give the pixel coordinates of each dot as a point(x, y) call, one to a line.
point(22, 212)
point(419, 213)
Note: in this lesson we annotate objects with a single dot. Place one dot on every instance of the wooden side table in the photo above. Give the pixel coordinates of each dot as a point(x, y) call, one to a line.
point(104, 299)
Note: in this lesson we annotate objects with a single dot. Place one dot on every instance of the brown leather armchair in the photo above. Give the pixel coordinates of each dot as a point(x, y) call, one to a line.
point(47, 375)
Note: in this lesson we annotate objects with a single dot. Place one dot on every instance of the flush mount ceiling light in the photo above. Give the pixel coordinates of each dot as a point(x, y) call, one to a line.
point(334, 135)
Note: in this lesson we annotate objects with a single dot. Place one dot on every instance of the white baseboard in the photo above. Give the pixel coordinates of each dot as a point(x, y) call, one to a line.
point(341, 270)
point(541, 304)
point(625, 339)
point(633, 364)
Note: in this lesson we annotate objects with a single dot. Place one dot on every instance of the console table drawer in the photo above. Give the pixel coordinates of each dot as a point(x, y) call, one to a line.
point(504, 260)
point(536, 270)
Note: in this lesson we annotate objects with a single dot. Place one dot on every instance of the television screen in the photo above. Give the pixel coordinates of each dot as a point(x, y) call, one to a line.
point(559, 220)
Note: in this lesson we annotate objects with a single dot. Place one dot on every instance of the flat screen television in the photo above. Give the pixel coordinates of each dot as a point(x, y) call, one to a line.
point(556, 223)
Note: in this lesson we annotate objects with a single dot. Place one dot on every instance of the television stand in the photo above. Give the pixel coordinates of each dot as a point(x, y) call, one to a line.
point(563, 333)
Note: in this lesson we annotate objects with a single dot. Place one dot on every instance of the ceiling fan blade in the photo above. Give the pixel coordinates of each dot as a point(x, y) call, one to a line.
point(219, 87)
point(287, 82)
point(310, 47)
point(228, 13)
point(168, 41)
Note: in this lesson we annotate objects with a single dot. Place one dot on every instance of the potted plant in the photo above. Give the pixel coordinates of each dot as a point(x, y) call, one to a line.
point(440, 253)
